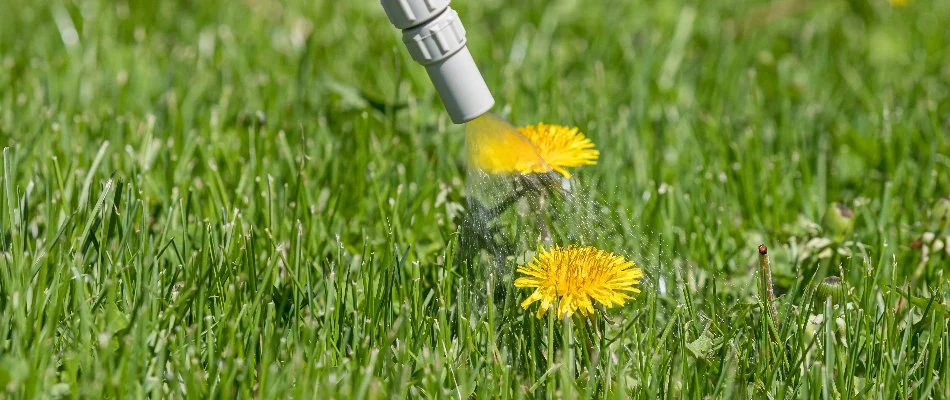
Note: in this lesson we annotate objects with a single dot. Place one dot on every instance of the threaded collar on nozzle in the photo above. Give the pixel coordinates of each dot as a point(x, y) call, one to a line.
point(409, 13)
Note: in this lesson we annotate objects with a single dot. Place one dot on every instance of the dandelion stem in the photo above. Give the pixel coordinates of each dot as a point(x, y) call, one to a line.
point(544, 231)
point(567, 359)
point(491, 320)
point(551, 312)
point(506, 203)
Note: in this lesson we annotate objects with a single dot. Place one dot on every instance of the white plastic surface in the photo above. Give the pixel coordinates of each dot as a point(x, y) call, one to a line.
point(461, 87)
point(408, 13)
point(435, 37)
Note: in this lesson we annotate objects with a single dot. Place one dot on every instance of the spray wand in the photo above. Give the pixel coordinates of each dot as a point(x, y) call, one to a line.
point(435, 37)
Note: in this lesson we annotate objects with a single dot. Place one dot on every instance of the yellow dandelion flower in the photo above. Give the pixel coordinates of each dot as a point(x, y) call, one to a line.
point(898, 3)
point(561, 146)
point(573, 276)
point(496, 147)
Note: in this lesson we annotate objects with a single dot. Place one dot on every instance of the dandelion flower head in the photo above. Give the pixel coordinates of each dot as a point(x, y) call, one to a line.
point(498, 148)
point(561, 146)
point(572, 277)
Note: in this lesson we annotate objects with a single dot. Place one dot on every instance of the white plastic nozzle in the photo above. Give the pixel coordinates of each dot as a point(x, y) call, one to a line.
point(433, 33)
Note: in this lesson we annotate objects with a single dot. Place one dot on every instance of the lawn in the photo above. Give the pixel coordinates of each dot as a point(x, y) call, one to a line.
point(266, 199)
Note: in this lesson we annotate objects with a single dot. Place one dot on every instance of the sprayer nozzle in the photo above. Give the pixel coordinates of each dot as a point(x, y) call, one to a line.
point(435, 37)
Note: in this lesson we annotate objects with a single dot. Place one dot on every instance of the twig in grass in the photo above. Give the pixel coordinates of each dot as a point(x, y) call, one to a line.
point(766, 290)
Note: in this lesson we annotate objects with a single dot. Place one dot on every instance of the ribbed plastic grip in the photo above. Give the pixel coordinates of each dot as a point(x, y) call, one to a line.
point(409, 13)
point(435, 40)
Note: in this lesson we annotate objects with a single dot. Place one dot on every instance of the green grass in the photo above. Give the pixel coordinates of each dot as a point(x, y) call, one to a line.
point(260, 199)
